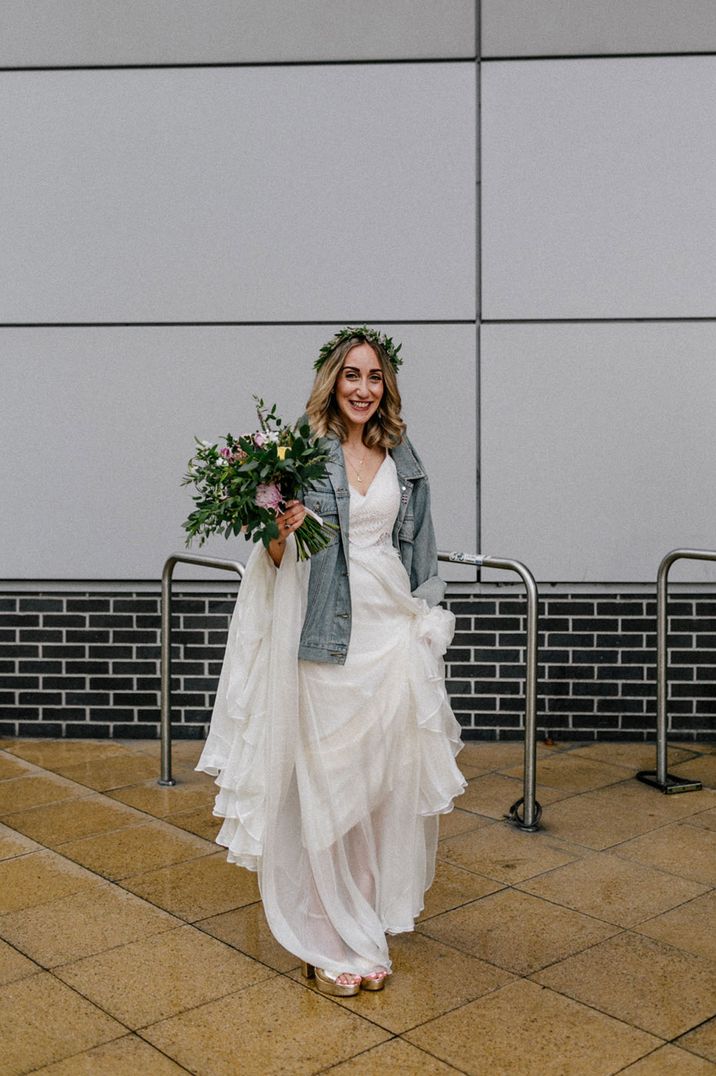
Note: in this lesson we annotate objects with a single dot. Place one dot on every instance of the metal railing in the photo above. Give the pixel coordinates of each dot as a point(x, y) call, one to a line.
point(532, 811)
point(531, 808)
point(659, 778)
point(165, 777)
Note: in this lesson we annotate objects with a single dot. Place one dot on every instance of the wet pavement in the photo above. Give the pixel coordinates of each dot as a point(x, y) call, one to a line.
point(129, 946)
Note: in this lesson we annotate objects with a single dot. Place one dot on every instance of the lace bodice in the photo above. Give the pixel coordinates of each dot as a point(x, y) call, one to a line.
point(372, 516)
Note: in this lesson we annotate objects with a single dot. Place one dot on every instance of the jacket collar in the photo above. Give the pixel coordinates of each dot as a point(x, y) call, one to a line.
point(406, 462)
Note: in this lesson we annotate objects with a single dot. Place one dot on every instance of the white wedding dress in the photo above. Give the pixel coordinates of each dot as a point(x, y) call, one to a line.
point(331, 777)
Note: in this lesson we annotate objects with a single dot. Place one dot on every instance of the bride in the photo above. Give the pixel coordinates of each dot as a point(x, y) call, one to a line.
point(332, 740)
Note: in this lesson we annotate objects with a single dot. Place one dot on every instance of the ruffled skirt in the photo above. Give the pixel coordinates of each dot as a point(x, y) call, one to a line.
point(331, 777)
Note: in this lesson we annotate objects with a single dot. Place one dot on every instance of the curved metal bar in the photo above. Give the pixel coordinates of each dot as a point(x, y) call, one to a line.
point(659, 778)
point(165, 777)
point(532, 811)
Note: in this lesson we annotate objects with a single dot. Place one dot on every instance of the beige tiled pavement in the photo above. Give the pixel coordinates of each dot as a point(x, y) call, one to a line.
point(128, 944)
point(14, 965)
point(109, 916)
point(198, 820)
point(13, 767)
point(126, 981)
point(454, 886)
point(648, 984)
point(193, 791)
point(690, 926)
point(247, 930)
point(57, 823)
point(14, 844)
point(105, 774)
point(517, 931)
point(396, 1057)
point(669, 1061)
point(579, 775)
point(33, 788)
point(528, 1031)
point(135, 849)
point(276, 1026)
point(612, 888)
point(607, 816)
point(43, 1020)
point(506, 854)
point(127, 1056)
point(196, 889)
point(492, 794)
point(635, 756)
point(702, 1040)
point(706, 819)
point(40, 877)
point(459, 821)
point(698, 769)
point(687, 851)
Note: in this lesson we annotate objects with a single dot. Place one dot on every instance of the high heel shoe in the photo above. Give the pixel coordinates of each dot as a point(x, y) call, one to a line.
point(327, 983)
point(378, 983)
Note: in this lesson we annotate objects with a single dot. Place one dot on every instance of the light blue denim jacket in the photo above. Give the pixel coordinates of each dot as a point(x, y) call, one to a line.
point(327, 626)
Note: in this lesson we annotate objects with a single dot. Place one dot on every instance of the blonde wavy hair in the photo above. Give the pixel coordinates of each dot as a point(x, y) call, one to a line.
point(385, 428)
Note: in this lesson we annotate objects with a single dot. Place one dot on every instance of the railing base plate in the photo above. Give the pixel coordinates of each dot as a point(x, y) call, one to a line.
point(166, 784)
point(673, 783)
point(513, 817)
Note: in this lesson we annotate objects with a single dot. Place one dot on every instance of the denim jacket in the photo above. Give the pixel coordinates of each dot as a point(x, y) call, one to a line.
point(327, 626)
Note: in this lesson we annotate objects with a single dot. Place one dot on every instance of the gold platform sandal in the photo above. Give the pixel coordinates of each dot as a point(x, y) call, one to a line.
point(377, 983)
point(327, 983)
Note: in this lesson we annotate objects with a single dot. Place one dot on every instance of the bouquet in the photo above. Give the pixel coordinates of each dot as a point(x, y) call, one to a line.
point(244, 484)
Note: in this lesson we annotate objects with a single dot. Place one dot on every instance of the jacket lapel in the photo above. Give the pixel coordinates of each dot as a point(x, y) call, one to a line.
point(408, 469)
point(335, 465)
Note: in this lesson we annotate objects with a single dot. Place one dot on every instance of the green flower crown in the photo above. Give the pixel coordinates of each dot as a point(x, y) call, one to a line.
point(371, 336)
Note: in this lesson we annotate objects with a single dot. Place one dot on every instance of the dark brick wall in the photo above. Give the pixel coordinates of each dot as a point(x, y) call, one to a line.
point(88, 665)
point(597, 671)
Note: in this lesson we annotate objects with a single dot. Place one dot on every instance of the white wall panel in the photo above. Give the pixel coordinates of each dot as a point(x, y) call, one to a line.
point(40, 33)
point(599, 188)
point(562, 27)
point(598, 447)
point(238, 194)
point(98, 424)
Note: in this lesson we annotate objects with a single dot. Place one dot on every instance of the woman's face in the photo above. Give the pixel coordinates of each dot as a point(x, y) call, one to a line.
point(359, 386)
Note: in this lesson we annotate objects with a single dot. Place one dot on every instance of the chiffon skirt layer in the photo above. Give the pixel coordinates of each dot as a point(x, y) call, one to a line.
point(331, 777)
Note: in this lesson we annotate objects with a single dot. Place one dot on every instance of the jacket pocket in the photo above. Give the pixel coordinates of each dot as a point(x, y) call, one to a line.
point(407, 529)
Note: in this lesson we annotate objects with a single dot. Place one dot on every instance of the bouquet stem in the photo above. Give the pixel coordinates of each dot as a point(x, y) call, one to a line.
point(313, 535)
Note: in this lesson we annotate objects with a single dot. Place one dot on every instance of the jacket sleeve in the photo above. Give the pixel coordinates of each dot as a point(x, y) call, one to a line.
point(432, 590)
point(424, 579)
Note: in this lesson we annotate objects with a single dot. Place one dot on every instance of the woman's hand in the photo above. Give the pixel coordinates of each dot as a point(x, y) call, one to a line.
point(287, 522)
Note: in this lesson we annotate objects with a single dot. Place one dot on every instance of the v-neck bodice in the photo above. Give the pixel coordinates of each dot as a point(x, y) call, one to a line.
point(373, 514)
point(380, 468)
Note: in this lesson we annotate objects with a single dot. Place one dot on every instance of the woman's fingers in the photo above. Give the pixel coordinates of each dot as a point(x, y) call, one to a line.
point(296, 517)
point(292, 518)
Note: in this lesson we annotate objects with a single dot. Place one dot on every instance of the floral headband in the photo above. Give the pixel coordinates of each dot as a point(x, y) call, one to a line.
point(371, 336)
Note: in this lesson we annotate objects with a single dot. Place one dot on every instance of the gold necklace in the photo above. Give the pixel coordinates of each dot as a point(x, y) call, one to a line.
point(358, 473)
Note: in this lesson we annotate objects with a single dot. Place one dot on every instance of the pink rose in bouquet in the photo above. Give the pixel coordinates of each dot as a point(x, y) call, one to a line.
point(268, 496)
